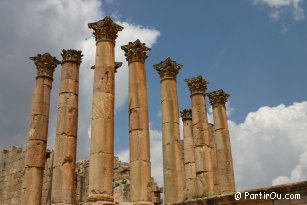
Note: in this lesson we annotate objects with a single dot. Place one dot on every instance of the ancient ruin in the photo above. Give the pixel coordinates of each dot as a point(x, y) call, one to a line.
point(196, 170)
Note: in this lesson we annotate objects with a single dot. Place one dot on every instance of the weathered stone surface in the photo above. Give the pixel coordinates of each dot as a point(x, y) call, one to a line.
point(140, 177)
point(173, 167)
point(38, 130)
point(102, 134)
point(201, 135)
point(12, 172)
point(222, 141)
point(140, 145)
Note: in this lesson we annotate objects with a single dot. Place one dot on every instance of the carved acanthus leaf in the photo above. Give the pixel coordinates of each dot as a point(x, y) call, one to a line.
point(168, 68)
point(105, 29)
point(197, 84)
point(72, 55)
point(45, 65)
point(135, 51)
point(218, 98)
point(186, 114)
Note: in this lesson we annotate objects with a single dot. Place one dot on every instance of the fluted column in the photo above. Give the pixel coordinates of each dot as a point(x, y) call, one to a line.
point(63, 180)
point(172, 156)
point(204, 172)
point(102, 129)
point(189, 155)
point(35, 155)
point(140, 168)
point(223, 148)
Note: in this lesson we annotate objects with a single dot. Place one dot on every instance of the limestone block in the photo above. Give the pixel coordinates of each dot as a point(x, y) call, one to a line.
point(205, 185)
point(70, 70)
point(36, 128)
point(189, 155)
point(140, 181)
point(190, 171)
point(40, 108)
point(33, 176)
point(201, 134)
point(170, 112)
point(137, 95)
point(69, 100)
point(169, 90)
point(69, 86)
point(41, 92)
point(101, 177)
point(203, 159)
point(65, 150)
point(104, 78)
point(139, 145)
point(198, 99)
point(220, 118)
point(103, 106)
point(36, 150)
point(102, 136)
point(67, 121)
point(104, 53)
point(199, 114)
point(137, 73)
point(138, 119)
point(170, 133)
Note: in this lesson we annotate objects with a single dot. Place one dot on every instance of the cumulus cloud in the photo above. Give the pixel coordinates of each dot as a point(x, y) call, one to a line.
point(270, 146)
point(282, 6)
point(49, 26)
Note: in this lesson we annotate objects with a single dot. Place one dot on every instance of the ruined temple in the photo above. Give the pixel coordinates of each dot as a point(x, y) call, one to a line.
point(196, 170)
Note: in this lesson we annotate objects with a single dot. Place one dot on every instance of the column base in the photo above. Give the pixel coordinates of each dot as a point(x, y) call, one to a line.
point(99, 199)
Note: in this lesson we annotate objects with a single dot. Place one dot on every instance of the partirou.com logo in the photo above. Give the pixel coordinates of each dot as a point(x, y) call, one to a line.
point(264, 195)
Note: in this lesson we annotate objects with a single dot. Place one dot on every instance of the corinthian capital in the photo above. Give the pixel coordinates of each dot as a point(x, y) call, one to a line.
point(45, 65)
point(197, 84)
point(72, 56)
point(186, 114)
point(105, 29)
point(218, 98)
point(168, 69)
point(135, 51)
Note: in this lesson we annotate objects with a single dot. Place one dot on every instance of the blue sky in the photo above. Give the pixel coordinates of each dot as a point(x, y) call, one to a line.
point(253, 49)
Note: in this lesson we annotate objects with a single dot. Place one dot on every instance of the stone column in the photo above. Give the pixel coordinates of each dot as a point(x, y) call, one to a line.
point(102, 130)
point(189, 155)
point(214, 161)
point(204, 172)
point(172, 159)
point(140, 169)
point(223, 148)
point(63, 183)
point(38, 130)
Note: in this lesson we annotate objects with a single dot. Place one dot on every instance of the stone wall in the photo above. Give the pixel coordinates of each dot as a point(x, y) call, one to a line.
point(12, 171)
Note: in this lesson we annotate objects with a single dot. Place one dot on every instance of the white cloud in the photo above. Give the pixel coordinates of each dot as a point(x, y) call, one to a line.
point(281, 6)
point(270, 146)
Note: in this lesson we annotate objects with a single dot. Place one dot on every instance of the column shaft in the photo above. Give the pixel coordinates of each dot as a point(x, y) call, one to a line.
point(189, 155)
point(102, 129)
point(38, 130)
point(172, 159)
point(173, 168)
point(203, 160)
point(64, 179)
point(222, 141)
point(140, 171)
point(140, 166)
